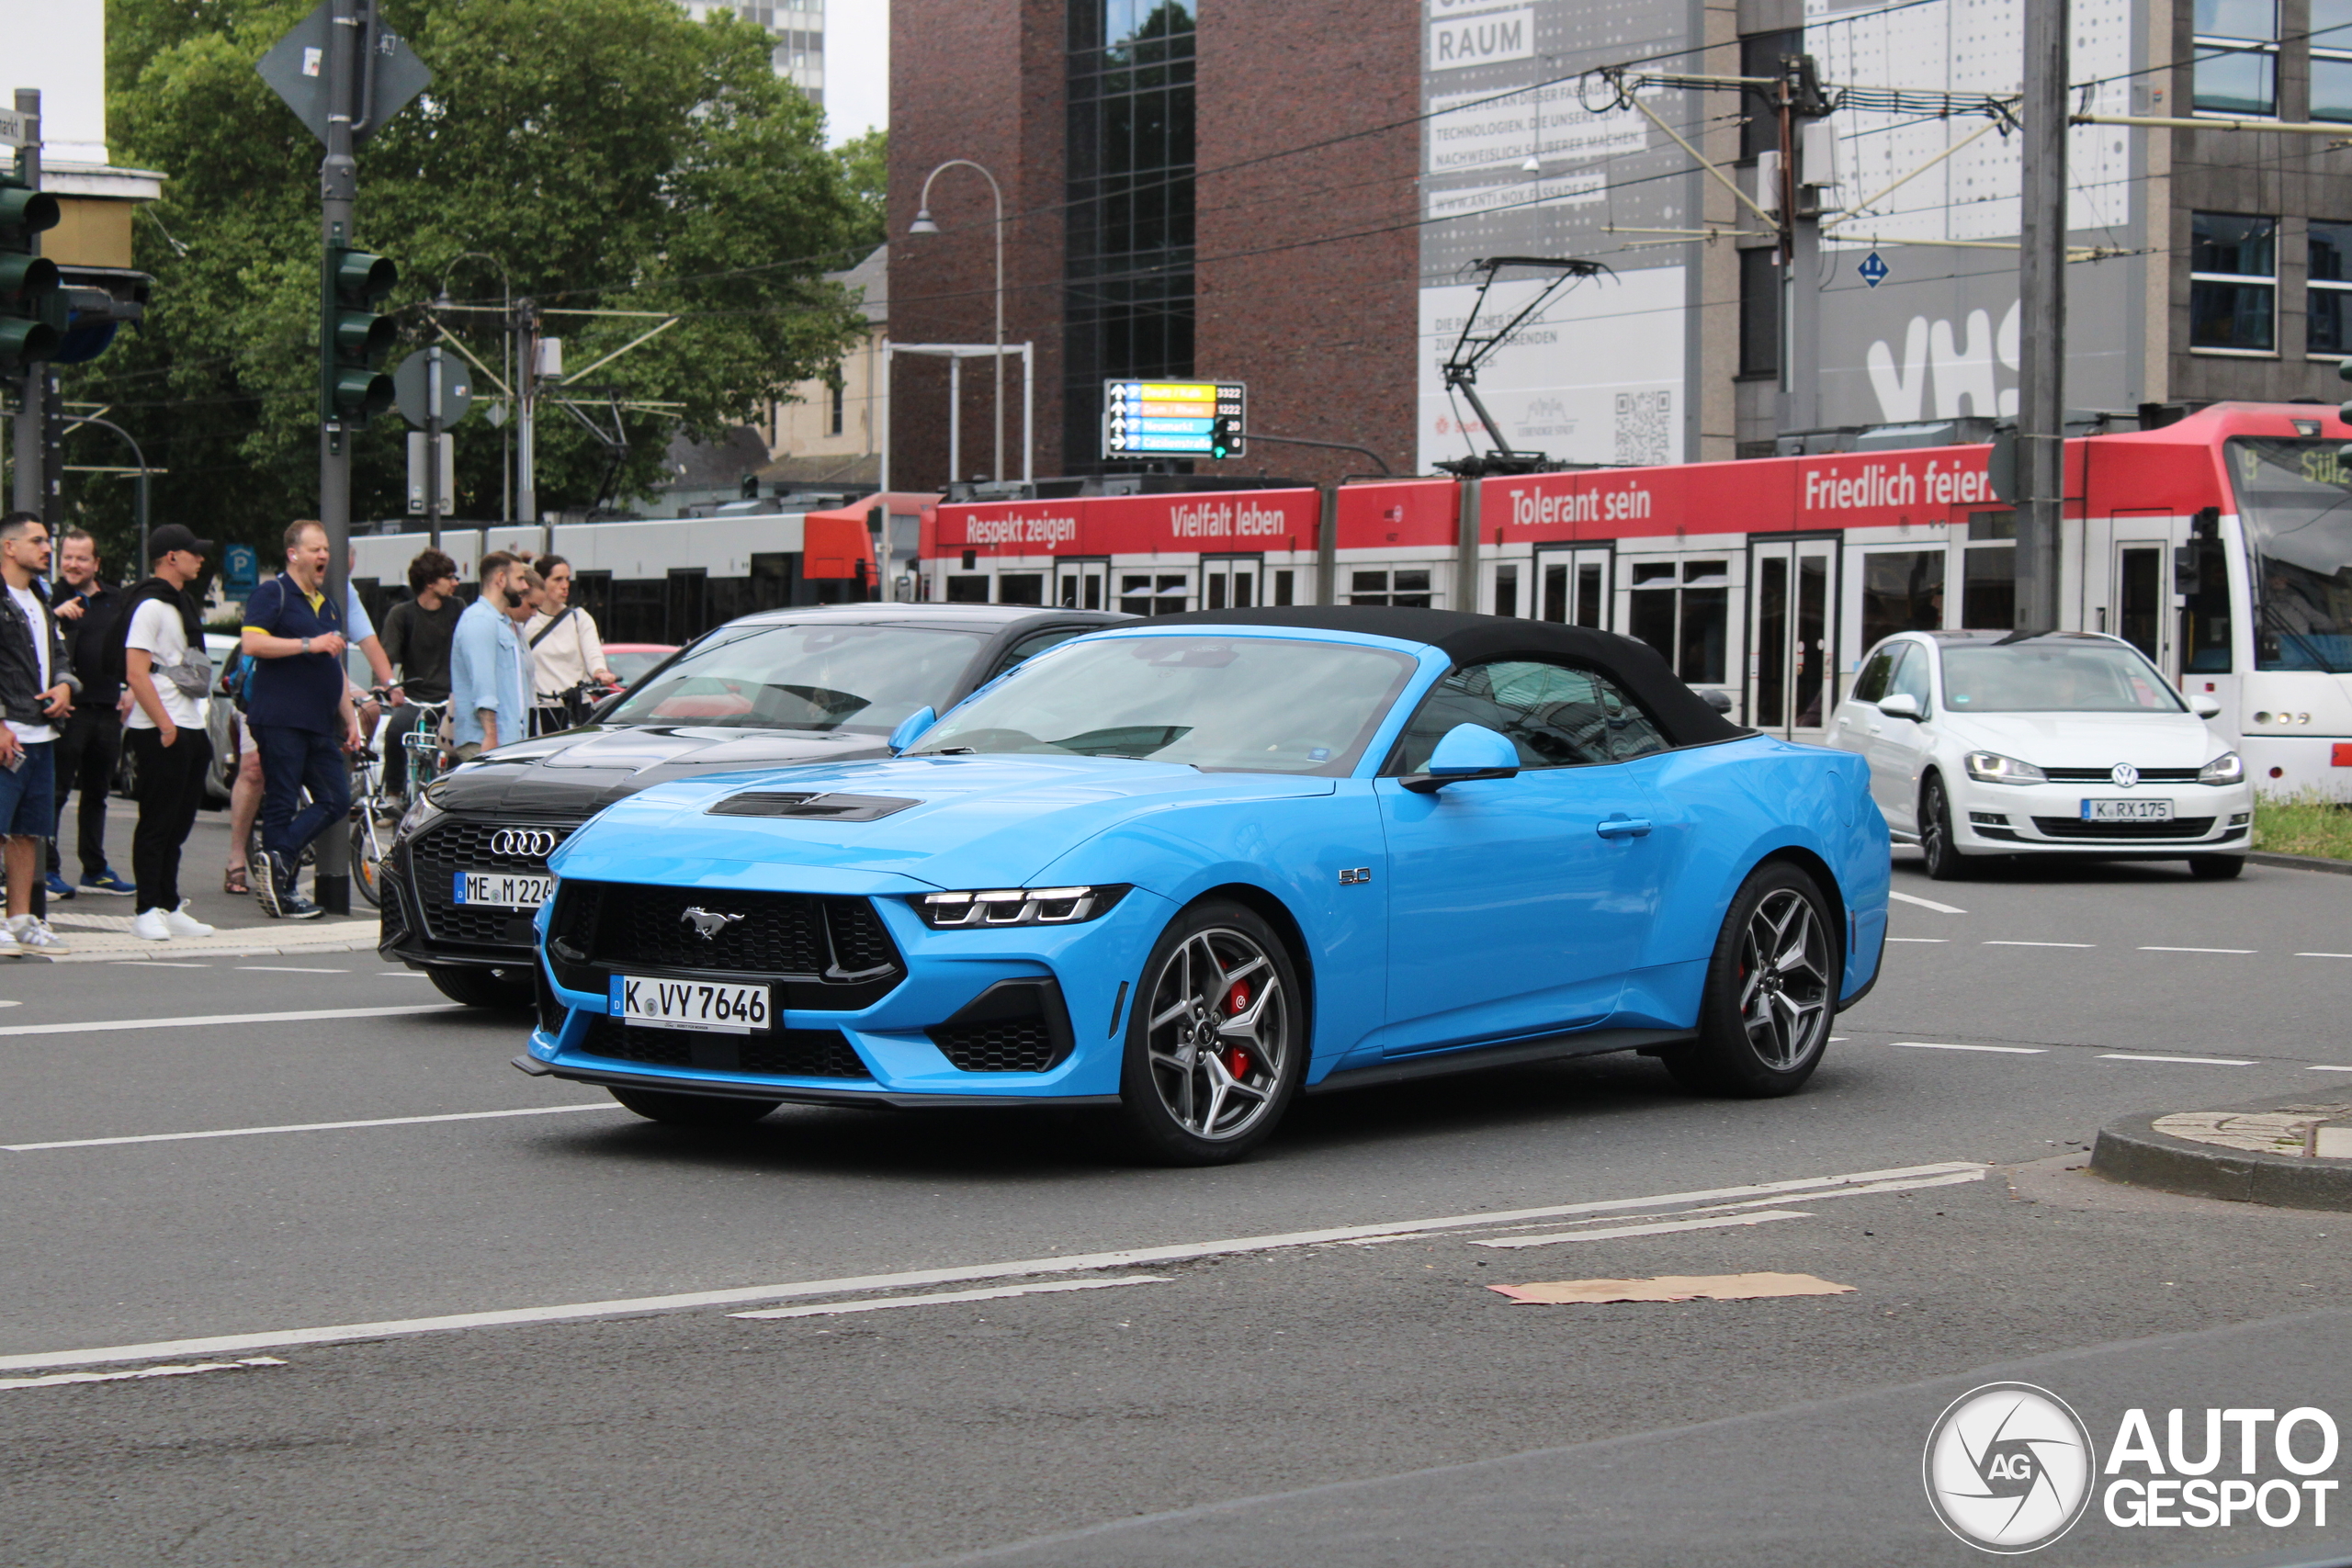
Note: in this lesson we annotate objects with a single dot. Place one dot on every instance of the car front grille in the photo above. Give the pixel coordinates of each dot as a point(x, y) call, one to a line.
point(831, 952)
point(440, 851)
point(785, 1053)
point(1005, 1045)
point(2076, 828)
point(2106, 775)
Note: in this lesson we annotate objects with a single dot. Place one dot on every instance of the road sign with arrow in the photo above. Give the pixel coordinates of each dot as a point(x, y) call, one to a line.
point(1174, 419)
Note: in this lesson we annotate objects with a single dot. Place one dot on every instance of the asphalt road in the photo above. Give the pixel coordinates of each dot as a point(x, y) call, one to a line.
point(1258, 1392)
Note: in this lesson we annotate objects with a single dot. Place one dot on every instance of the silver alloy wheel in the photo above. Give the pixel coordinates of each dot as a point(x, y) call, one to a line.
point(1785, 981)
point(1218, 1035)
point(1932, 842)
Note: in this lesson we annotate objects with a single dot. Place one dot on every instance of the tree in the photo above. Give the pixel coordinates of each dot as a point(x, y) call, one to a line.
point(608, 155)
point(865, 168)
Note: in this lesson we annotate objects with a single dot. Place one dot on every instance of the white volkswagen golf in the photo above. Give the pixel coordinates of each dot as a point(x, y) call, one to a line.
point(2071, 743)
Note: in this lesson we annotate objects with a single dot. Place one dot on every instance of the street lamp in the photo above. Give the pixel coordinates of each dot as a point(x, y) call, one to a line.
point(923, 225)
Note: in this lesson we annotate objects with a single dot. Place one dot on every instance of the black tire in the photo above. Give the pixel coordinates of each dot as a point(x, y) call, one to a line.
point(484, 987)
point(2215, 868)
point(1944, 861)
point(366, 864)
point(693, 1110)
point(1217, 975)
point(1764, 1026)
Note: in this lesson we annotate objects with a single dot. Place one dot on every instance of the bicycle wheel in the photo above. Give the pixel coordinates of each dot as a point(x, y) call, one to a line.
point(368, 861)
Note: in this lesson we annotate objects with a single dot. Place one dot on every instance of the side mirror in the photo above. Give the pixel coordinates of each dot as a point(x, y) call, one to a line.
point(1902, 705)
point(913, 728)
point(1467, 751)
point(2205, 704)
point(1719, 701)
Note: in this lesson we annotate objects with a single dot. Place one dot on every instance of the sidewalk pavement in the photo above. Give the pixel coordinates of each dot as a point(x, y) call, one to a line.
point(97, 926)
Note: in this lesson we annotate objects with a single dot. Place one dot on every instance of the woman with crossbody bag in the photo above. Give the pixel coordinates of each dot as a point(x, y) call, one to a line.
point(566, 655)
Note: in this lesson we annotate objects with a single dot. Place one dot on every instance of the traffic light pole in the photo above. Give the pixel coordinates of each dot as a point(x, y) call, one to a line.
point(338, 200)
point(30, 425)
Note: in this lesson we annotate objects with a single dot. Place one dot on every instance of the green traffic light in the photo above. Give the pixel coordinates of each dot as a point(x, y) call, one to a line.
point(27, 211)
point(24, 280)
point(363, 279)
point(21, 340)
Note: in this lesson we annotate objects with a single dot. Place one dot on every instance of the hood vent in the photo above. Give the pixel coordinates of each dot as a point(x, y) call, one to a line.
point(816, 807)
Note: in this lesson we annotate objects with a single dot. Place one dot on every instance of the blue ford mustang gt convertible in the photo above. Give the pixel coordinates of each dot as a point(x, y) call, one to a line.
point(1195, 867)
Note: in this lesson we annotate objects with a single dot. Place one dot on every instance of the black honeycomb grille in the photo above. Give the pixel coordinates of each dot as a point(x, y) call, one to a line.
point(776, 934)
point(1000, 1045)
point(788, 1052)
point(2076, 828)
point(440, 851)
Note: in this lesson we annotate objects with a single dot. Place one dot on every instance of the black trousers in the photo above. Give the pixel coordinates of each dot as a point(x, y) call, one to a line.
point(171, 788)
point(86, 754)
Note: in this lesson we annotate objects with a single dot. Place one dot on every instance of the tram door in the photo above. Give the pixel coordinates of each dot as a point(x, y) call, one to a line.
point(1572, 587)
point(1080, 584)
point(1789, 652)
point(1230, 584)
point(2140, 600)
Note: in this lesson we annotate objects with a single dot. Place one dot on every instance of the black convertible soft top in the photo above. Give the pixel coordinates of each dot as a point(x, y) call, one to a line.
point(1474, 640)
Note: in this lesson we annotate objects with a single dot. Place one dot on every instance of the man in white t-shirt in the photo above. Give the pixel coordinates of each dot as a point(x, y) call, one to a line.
point(166, 671)
point(37, 691)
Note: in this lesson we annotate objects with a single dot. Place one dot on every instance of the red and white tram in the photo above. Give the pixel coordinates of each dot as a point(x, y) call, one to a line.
point(2221, 545)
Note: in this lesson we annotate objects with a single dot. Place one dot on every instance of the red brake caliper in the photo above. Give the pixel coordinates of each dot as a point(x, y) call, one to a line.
point(1236, 1002)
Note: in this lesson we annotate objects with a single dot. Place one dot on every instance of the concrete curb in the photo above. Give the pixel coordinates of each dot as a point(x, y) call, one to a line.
point(100, 947)
point(2131, 1150)
point(2300, 862)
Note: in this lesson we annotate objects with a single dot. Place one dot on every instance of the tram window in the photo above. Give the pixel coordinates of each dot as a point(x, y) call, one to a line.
point(1903, 591)
point(1988, 526)
point(770, 580)
point(1021, 588)
point(2205, 609)
point(1556, 592)
point(1407, 590)
point(1141, 594)
point(967, 589)
point(1285, 585)
point(638, 607)
point(1507, 589)
point(592, 591)
point(728, 597)
point(1684, 611)
point(1988, 588)
point(1589, 611)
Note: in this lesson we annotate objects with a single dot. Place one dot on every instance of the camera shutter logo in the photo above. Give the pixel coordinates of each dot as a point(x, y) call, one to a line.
point(533, 841)
point(2008, 1468)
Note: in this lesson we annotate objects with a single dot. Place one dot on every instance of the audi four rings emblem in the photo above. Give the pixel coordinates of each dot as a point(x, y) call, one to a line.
point(2124, 774)
point(537, 842)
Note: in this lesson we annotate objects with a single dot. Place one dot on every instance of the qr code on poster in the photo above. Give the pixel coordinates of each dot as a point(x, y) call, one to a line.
point(1645, 427)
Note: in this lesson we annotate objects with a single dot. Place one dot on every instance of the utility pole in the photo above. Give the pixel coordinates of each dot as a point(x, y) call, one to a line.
point(338, 201)
point(434, 499)
point(525, 325)
point(1798, 101)
point(2041, 299)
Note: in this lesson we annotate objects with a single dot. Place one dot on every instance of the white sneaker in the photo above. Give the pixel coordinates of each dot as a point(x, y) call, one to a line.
point(182, 923)
point(35, 937)
point(151, 925)
point(9, 946)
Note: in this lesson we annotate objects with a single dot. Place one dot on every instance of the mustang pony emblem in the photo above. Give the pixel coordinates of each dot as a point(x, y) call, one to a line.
point(708, 923)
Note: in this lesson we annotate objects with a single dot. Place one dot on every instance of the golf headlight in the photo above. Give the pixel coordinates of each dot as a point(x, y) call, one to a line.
point(1991, 767)
point(1016, 907)
point(2229, 768)
point(421, 811)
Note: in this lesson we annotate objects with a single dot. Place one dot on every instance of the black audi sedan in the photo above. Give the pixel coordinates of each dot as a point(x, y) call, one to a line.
point(466, 871)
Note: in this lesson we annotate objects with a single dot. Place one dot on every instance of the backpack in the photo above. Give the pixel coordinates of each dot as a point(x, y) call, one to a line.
point(237, 678)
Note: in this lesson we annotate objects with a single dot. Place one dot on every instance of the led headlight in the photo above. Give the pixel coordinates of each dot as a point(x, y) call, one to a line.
point(1016, 907)
point(1991, 767)
point(421, 811)
point(2229, 768)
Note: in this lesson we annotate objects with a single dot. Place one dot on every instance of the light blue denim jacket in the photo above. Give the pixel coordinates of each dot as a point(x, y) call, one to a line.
point(487, 661)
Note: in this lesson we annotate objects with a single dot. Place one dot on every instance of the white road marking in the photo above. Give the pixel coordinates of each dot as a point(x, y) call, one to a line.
point(2238, 950)
point(2190, 1061)
point(1863, 1191)
point(885, 1304)
point(2038, 944)
point(1926, 903)
point(2323, 955)
point(302, 1127)
point(6, 1003)
point(108, 1025)
point(159, 964)
point(2005, 1050)
point(1811, 1186)
point(1919, 939)
point(55, 1379)
point(285, 969)
point(2329, 1067)
point(1663, 1228)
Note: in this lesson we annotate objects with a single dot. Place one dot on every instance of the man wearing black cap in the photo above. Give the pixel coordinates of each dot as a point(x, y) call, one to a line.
point(168, 672)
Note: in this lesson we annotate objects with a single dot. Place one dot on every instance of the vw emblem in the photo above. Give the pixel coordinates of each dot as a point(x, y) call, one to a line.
point(708, 923)
point(536, 843)
point(2124, 774)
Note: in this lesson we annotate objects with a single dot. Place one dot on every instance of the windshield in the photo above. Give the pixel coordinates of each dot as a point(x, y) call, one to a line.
point(2042, 677)
point(805, 676)
point(630, 665)
point(2295, 499)
point(1250, 705)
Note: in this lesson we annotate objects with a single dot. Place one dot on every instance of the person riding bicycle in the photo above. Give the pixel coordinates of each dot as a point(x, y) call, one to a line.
point(417, 637)
point(567, 654)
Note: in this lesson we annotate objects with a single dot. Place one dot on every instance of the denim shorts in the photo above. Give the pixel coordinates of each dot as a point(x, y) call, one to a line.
point(27, 795)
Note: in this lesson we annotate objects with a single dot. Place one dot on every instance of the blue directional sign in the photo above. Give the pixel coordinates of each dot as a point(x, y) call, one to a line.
point(1874, 269)
point(1174, 419)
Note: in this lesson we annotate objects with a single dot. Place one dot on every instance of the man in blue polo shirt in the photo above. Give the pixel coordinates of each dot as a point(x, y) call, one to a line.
point(300, 708)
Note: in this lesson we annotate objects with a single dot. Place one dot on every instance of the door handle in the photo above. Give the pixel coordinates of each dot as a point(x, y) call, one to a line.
point(1619, 825)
